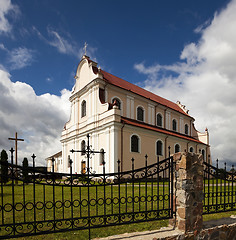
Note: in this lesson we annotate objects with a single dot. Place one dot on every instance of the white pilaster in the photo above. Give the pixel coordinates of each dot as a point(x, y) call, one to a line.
point(167, 120)
point(132, 108)
point(150, 114)
point(128, 107)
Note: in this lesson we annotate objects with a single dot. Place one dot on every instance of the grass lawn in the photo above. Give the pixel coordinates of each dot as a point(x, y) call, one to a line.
point(61, 197)
point(64, 195)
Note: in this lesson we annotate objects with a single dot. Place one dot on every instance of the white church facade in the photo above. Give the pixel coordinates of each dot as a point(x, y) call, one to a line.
point(126, 122)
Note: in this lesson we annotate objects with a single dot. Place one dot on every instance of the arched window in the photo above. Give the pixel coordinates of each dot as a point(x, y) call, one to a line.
point(186, 129)
point(83, 147)
point(203, 154)
point(159, 120)
point(102, 157)
point(177, 148)
point(159, 147)
point(174, 125)
point(191, 149)
point(134, 143)
point(83, 109)
point(117, 102)
point(140, 114)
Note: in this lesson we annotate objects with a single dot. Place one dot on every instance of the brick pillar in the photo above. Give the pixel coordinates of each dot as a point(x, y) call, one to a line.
point(189, 192)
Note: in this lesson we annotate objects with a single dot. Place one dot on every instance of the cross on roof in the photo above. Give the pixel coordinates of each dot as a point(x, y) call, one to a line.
point(85, 48)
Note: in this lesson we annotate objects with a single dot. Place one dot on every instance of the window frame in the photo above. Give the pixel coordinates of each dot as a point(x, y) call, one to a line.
point(83, 147)
point(203, 152)
point(139, 143)
point(176, 125)
point(186, 125)
point(83, 109)
point(162, 146)
point(177, 144)
point(116, 98)
point(159, 114)
point(143, 112)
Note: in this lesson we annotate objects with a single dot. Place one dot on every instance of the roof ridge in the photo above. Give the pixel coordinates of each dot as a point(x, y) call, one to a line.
point(119, 82)
point(158, 129)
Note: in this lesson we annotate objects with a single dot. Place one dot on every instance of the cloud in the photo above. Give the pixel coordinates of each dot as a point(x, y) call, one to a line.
point(6, 7)
point(64, 44)
point(205, 80)
point(20, 57)
point(2, 47)
point(37, 119)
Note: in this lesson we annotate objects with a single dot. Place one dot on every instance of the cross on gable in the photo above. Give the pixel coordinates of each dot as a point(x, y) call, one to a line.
point(85, 48)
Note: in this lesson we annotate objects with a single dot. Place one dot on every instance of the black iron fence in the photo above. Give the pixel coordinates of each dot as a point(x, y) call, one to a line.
point(219, 189)
point(43, 203)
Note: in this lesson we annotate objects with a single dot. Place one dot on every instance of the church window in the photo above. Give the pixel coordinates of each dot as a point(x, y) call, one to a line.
point(83, 147)
point(177, 148)
point(191, 149)
point(159, 147)
point(102, 157)
point(83, 109)
point(174, 125)
point(186, 129)
point(159, 120)
point(102, 95)
point(203, 154)
point(140, 114)
point(117, 102)
point(134, 143)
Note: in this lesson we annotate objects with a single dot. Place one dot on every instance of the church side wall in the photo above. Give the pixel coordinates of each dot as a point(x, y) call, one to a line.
point(130, 102)
point(148, 141)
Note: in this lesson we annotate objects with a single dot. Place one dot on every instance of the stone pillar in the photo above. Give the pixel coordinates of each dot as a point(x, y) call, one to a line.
point(189, 192)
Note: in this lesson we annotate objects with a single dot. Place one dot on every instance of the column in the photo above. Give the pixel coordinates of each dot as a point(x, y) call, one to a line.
point(189, 192)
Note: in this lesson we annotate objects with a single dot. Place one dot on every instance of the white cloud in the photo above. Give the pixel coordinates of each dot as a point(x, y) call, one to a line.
point(63, 45)
point(2, 47)
point(5, 8)
point(205, 81)
point(37, 119)
point(20, 57)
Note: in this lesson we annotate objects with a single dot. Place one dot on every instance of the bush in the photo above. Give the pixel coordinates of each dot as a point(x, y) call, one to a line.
point(4, 166)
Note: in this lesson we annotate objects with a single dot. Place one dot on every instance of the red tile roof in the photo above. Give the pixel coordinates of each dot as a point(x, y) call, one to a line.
point(157, 129)
point(140, 91)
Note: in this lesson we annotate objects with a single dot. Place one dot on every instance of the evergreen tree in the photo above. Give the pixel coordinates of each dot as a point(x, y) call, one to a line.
point(4, 166)
point(25, 171)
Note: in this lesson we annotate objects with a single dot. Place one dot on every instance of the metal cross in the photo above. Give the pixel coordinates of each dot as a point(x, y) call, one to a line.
point(85, 48)
point(16, 140)
point(88, 151)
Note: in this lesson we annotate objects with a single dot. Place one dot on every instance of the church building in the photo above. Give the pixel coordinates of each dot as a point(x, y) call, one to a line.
point(125, 121)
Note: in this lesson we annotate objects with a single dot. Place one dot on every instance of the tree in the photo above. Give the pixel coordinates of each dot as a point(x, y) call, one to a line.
point(25, 171)
point(4, 166)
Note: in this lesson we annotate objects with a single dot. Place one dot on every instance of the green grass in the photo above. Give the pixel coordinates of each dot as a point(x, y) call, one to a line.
point(44, 197)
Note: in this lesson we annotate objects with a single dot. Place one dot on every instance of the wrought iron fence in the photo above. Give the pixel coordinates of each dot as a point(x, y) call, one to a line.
point(43, 203)
point(219, 189)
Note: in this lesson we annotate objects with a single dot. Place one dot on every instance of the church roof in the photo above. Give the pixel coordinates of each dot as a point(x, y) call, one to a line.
point(56, 155)
point(119, 82)
point(158, 129)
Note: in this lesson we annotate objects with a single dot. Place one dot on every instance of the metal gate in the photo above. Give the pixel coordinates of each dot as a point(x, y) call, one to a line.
point(219, 189)
point(50, 202)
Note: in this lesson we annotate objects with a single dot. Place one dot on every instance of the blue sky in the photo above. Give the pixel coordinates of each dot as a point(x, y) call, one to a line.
point(165, 46)
point(119, 34)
